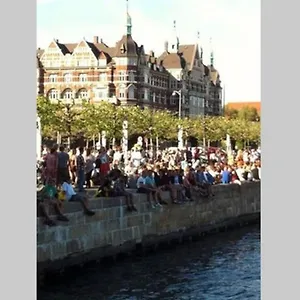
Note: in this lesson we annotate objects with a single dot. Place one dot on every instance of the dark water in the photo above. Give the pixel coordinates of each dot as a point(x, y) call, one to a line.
point(223, 266)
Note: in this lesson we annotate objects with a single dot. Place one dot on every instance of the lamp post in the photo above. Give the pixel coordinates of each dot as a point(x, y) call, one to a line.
point(114, 102)
point(69, 118)
point(180, 130)
point(179, 93)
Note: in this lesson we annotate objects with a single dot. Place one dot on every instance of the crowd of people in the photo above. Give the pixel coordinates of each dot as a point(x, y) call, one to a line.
point(186, 174)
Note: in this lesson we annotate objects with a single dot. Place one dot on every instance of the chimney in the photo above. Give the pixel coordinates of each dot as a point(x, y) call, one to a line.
point(166, 46)
point(101, 41)
point(96, 39)
point(152, 53)
point(57, 41)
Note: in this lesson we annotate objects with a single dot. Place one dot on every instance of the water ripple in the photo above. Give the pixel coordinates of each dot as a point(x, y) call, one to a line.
point(225, 266)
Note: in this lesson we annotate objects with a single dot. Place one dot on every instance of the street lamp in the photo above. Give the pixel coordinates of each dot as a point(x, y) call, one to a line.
point(68, 106)
point(180, 129)
point(179, 93)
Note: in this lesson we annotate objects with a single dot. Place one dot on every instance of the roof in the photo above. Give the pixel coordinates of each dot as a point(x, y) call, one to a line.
point(126, 47)
point(188, 52)
point(240, 105)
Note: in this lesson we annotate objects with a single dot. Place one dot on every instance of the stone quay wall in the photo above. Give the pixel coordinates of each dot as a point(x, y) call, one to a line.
point(112, 230)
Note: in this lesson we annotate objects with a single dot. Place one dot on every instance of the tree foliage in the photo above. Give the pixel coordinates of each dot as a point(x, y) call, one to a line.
point(91, 119)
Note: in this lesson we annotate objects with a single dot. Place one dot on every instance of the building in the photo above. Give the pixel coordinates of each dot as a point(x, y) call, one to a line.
point(240, 105)
point(97, 72)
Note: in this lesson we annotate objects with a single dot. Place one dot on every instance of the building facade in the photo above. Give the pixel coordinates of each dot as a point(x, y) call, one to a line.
point(96, 72)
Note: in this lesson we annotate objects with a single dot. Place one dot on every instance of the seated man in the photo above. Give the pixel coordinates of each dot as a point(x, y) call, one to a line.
point(205, 181)
point(72, 196)
point(150, 182)
point(47, 198)
point(118, 190)
point(163, 182)
point(144, 188)
point(182, 191)
point(106, 187)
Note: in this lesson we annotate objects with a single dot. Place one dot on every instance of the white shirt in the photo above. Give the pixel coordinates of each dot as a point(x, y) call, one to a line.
point(68, 189)
point(239, 173)
point(141, 180)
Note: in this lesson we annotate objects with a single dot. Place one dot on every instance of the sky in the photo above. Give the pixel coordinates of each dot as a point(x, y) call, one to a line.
point(231, 28)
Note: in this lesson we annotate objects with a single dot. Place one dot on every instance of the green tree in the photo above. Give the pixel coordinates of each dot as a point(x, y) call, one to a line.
point(231, 113)
point(248, 113)
point(49, 114)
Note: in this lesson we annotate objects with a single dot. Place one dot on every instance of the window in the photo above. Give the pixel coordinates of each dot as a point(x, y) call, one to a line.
point(122, 61)
point(83, 63)
point(159, 98)
point(146, 95)
point(82, 77)
point(122, 94)
point(67, 94)
point(102, 62)
point(131, 76)
point(122, 76)
point(154, 97)
point(131, 92)
point(53, 78)
point(132, 61)
point(146, 78)
point(53, 94)
point(102, 77)
point(68, 77)
point(82, 94)
point(101, 94)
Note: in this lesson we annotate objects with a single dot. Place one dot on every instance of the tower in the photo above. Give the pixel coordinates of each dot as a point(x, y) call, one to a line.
point(174, 40)
point(200, 46)
point(211, 53)
point(128, 20)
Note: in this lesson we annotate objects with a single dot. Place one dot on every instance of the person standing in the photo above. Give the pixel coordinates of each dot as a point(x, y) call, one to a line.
point(80, 163)
point(89, 167)
point(63, 165)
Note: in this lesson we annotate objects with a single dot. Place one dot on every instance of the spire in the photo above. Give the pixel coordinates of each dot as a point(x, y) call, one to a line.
point(211, 53)
point(175, 40)
point(128, 23)
point(201, 49)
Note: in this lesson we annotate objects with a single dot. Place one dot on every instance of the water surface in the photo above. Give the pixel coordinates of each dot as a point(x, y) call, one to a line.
point(220, 267)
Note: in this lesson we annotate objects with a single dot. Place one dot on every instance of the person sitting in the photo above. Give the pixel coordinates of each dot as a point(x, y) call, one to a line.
point(105, 188)
point(47, 198)
point(182, 191)
point(150, 182)
point(163, 182)
point(120, 191)
point(72, 196)
point(225, 175)
point(205, 180)
point(144, 188)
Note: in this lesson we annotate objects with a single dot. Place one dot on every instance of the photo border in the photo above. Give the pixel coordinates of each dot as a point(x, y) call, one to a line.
point(280, 120)
point(18, 121)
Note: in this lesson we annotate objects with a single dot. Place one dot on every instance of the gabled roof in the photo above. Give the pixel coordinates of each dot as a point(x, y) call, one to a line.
point(172, 60)
point(188, 52)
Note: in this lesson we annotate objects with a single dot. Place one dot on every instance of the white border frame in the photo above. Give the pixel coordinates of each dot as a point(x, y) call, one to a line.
point(18, 127)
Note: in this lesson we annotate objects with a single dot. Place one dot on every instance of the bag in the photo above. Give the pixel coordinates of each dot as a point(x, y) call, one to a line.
point(61, 196)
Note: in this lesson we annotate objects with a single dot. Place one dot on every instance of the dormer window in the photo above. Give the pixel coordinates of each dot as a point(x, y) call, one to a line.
point(123, 49)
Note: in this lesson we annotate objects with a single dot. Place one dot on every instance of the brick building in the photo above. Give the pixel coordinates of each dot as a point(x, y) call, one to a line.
point(95, 71)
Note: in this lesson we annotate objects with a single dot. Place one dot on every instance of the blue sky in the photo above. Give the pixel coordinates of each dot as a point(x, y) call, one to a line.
point(233, 25)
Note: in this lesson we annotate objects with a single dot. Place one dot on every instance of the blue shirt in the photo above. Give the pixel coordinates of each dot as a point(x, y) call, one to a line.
point(226, 177)
point(149, 180)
